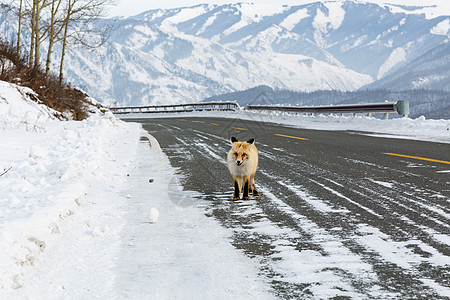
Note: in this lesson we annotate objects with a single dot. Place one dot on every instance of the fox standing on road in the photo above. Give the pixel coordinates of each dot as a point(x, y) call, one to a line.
point(242, 162)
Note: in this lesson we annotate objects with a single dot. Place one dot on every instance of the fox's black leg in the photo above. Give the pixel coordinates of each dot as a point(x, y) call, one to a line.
point(245, 196)
point(255, 192)
point(236, 191)
point(252, 186)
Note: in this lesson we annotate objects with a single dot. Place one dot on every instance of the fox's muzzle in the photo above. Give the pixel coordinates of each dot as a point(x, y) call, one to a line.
point(239, 162)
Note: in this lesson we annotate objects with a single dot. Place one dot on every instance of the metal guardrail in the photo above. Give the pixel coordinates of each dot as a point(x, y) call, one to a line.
point(188, 107)
point(400, 107)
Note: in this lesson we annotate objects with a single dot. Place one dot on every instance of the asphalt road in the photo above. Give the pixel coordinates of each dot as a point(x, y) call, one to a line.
point(337, 215)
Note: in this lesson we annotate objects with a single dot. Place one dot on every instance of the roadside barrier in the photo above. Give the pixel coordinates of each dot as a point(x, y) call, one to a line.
point(400, 107)
point(210, 106)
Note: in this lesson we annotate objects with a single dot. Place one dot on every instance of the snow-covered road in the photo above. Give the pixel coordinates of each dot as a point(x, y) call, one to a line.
point(337, 217)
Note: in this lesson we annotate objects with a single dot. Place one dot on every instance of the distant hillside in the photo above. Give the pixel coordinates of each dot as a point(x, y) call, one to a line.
point(429, 71)
point(431, 104)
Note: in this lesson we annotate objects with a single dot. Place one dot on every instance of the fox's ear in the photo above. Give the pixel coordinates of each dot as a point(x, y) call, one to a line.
point(251, 141)
point(233, 140)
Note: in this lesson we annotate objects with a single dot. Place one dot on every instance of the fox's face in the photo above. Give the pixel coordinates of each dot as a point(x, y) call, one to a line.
point(240, 150)
point(240, 157)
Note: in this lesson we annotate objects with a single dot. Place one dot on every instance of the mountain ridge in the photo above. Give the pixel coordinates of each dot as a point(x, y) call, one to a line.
point(191, 53)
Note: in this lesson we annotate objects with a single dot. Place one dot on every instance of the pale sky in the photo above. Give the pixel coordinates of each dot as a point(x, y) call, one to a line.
point(133, 7)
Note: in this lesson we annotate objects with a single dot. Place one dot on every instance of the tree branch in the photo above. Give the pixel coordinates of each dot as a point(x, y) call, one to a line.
point(6, 171)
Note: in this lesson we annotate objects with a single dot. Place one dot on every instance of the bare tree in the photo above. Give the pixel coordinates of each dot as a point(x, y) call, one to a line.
point(33, 30)
point(79, 13)
point(19, 29)
point(69, 13)
point(59, 21)
point(39, 5)
point(7, 7)
point(29, 15)
point(53, 33)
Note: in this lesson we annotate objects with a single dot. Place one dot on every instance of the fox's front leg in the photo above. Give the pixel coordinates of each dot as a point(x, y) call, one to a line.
point(237, 191)
point(246, 187)
point(252, 186)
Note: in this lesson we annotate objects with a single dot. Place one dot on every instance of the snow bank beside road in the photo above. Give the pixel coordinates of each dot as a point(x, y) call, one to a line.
point(52, 170)
point(50, 165)
point(18, 110)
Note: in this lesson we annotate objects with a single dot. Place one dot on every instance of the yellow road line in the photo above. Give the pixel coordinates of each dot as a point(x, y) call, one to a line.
point(214, 124)
point(198, 121)
point(292, 137)
point(239, 128)
point(419, 158)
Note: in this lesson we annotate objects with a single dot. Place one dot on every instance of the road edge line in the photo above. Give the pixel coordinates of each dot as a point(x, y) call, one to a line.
point(153, 141)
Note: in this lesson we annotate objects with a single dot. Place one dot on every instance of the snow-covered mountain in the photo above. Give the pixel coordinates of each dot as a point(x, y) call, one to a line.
point(429, 71)
point(188, 54)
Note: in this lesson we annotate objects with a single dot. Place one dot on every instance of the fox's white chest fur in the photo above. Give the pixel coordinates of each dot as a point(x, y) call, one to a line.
point(247, 168)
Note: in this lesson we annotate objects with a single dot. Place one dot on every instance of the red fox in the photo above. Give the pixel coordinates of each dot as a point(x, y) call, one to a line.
point(242, 162)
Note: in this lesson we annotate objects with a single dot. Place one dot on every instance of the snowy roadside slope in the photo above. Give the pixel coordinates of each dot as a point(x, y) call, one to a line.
point(53, 165)
point(18, 110)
